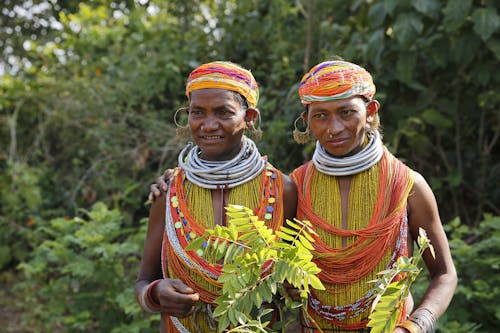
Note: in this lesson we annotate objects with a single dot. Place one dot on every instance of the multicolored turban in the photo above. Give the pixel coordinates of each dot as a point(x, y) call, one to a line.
point(224, 75)
point(332, 80)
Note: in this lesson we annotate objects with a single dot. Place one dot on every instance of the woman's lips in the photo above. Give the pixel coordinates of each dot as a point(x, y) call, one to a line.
point(337, 142)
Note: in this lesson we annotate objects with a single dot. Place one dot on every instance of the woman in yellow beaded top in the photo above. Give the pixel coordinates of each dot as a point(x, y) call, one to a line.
point(366, 205)
point(224, 167)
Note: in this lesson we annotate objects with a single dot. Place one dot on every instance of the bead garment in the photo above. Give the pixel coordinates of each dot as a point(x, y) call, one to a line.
point(188, 213)
point(375, 236)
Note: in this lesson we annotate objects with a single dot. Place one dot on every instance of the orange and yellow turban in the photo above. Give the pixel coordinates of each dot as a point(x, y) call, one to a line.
point(332, 80)
point(224, 75)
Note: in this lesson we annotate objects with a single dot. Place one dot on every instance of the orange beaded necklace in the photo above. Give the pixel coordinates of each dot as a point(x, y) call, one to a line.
point(183, 225)
point(385, 232)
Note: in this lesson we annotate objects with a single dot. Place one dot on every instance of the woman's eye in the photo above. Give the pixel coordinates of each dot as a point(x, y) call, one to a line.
point(226, 113)
point(196, 113)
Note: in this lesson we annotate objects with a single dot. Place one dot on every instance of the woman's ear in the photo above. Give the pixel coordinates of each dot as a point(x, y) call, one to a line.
point(372, 107)
point(252, 114)
point(371, 110)
point(252, 119)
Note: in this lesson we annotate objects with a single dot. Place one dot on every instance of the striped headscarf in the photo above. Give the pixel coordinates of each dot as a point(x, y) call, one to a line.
point(224, 75)
point(332, 80)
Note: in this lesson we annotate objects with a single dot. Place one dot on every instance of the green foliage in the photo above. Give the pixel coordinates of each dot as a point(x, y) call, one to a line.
point(391, 292)
point(474, 307)
point(92, 99)
point(427, 57)
point(80, 278)
point(247, 246)
point(88, 91)
point(21, 201)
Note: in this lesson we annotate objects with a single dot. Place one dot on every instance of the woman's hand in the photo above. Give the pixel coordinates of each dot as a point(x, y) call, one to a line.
point(161, 184)
point(293, 292)
point(175, 298)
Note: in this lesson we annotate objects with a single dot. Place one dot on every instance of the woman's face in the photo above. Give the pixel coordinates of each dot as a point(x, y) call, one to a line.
point(217, 122)
point(339, 125)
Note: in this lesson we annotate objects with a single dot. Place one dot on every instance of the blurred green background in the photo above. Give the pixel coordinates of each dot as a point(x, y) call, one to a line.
point(87, 95)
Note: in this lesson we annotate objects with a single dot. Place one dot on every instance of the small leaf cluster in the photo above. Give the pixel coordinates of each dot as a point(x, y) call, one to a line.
point(391, 292)
point(476, 254)
point(257, 261)
point(79, 278)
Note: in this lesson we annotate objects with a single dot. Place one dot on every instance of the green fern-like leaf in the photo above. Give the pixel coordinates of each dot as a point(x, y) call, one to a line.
point(390, 294)
point(246, 245)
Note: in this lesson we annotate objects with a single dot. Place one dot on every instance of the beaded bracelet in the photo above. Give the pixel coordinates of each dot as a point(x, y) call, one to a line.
point(146, 300)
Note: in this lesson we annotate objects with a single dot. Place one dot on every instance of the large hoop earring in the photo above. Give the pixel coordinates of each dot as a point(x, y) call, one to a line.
point(299, 136)
point(181, 132)
point(254, 129)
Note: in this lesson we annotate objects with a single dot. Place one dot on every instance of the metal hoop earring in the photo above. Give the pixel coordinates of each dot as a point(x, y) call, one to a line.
point(299, 136)
point(254, 129)
point(181, 132)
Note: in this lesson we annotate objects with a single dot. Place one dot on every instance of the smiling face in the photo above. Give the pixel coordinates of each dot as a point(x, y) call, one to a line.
point(339, 125)
point(217, 122)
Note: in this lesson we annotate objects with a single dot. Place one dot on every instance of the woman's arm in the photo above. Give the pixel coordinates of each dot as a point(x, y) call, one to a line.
point(154, 293)
point(150, 269)
point(424, 213)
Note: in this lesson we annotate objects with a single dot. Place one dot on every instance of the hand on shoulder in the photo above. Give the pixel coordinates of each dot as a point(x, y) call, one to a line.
point(161, 185)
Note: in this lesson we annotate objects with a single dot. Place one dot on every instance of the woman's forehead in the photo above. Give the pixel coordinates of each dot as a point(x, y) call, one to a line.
point(355, 101)
point(211, 96)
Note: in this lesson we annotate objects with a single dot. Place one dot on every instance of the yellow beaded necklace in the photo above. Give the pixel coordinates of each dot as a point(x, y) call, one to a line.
point(363, 192)
point(200, 199)
point(351, 247)
point(191, 211)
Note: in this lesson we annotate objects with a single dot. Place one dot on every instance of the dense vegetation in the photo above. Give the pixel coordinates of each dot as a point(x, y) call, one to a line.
point(87, 95)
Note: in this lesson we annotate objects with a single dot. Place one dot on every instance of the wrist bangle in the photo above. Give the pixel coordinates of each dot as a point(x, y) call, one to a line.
point(425, 319)
point(411, 326)
point(146, 300)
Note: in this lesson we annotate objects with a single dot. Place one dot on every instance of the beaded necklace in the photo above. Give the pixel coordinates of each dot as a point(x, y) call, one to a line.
point(186, 220)
point(376, 235)
point(182, 225)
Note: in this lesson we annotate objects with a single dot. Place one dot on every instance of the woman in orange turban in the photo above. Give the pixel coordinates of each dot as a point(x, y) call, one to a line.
point(367, 206)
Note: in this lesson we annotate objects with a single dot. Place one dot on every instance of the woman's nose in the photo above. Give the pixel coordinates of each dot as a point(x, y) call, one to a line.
point(210, 123)
point(334, 127)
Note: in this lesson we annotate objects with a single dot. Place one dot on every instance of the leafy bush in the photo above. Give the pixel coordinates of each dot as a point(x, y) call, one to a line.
point(20, 200)
point(81, 277)
point(476, 253)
